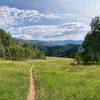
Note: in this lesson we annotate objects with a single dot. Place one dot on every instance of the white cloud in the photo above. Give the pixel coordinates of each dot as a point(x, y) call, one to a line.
point(10, 16)
point(14, 20)
point(73, 30)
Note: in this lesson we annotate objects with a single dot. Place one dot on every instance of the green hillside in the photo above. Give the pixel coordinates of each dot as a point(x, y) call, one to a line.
point(53, 48)
point(10, 49)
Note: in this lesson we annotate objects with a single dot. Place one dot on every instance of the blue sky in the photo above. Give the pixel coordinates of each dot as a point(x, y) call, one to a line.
point(48, 19)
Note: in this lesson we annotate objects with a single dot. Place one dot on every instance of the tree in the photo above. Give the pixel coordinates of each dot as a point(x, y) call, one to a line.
point(11, 50)
point(91, 44)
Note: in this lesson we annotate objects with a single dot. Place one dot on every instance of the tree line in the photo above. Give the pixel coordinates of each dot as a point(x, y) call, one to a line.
point(10, 49)
point(90, 51)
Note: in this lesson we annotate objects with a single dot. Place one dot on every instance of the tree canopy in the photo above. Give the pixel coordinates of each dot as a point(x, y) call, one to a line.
point(11, 50)
point(91, 44)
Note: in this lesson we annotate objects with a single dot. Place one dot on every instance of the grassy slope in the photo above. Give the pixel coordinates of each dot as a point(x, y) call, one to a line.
point(56, 79)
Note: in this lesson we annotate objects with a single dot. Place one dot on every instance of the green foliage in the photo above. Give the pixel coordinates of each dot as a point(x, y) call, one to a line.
point(91, 44)
point(11, 50)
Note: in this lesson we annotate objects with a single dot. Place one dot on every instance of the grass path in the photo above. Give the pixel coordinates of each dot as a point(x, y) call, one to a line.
point(31, 95)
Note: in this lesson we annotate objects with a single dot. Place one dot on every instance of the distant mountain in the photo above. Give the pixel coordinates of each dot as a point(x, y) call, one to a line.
point(66, 48)
point(49, 43)
point(33, 42)
point(65, 42)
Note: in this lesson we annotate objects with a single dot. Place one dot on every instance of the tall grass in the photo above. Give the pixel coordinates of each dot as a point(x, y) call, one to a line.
point(55, 79)
point(60, 79)
point(14, 80)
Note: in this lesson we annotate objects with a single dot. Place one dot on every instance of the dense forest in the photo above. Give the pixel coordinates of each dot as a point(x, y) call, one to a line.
point(11, 50)
point(90, 52)
point(59, 51)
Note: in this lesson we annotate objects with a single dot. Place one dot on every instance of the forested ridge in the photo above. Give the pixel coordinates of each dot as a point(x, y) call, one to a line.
point(10, 49)
point(59, 51)
point(50, 49)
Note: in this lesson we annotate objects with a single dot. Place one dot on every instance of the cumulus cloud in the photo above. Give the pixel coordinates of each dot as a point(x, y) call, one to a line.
point(19, 23)
point(8, 16)
point(73, 30)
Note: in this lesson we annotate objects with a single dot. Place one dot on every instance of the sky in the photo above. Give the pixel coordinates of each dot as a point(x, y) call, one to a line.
point(48, 19)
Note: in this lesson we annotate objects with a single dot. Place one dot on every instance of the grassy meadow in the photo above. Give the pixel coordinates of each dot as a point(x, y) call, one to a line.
point(60, 79)
point(14, 80)
point(55, 79)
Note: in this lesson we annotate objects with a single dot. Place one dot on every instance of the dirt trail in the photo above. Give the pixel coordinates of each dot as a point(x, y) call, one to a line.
point(31, 95)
